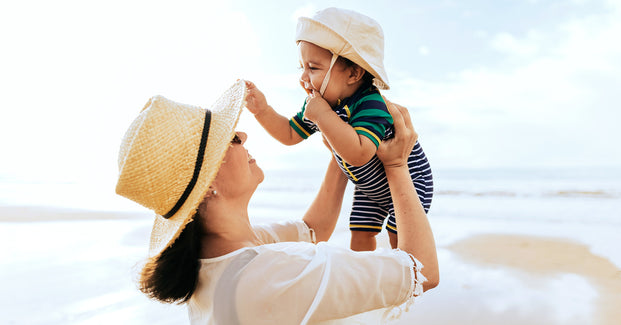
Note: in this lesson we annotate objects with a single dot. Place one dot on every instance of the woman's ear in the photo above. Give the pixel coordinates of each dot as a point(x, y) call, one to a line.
point(355, 74)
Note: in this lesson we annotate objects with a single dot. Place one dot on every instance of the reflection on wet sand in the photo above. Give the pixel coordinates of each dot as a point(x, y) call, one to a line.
point(547, 258)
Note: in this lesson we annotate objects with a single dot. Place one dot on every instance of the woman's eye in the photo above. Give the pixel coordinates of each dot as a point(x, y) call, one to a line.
point(236, 139)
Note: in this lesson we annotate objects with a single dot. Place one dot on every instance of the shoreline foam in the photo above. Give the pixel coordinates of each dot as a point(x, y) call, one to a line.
point(49, 214)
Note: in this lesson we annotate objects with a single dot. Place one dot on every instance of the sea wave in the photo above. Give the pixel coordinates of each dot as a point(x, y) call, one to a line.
point(598, 194)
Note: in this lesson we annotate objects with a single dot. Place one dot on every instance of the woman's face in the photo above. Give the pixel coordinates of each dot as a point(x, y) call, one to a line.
point(315, 62)
point(239, 173)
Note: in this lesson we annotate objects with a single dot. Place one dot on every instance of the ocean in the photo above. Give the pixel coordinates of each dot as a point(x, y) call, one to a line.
point(589, 195)
point(564, 194)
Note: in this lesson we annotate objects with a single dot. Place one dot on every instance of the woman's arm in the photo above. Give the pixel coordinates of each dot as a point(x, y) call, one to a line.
point(414, 232)
point(324, 211)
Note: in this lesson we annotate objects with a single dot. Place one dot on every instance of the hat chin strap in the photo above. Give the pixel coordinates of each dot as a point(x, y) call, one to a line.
point(326, 79)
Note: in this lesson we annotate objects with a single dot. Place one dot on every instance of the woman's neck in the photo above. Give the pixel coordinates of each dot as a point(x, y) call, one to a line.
point(227, 229)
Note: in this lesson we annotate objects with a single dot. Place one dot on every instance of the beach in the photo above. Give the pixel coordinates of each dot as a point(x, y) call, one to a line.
point(83, 271)
point(514, 275)
point(63, 266)
point(505, 257)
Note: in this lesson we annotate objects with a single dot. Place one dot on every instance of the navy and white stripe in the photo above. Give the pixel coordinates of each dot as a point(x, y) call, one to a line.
point(372, 200)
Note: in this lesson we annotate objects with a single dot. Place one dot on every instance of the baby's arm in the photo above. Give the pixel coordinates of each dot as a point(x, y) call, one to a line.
point(275, 124)
point(354, 148)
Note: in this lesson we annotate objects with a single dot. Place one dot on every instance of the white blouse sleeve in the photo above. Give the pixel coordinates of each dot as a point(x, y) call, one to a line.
point(284, 231)
point(300, 283)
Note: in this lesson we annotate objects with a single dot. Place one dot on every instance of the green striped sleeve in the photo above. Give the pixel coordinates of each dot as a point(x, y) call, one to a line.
point(369, 134)
point(297, 124)
point(374, 113)
point(373, 127)
point(300, 126)
point(370, 117)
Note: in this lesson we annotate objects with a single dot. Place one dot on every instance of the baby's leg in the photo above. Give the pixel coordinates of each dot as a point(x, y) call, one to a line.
point(365, 222)
point(393, 240)
point(363, 240)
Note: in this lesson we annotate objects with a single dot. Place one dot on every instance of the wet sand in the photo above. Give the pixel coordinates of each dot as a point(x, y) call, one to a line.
point(535, 260)
point(62, 266)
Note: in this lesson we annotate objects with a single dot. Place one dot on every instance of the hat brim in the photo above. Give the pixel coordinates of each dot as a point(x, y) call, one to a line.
point(225, 113)
point(322, 35)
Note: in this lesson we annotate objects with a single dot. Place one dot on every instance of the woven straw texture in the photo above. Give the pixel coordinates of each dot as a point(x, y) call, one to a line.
point(349, 34)
point(159, 151)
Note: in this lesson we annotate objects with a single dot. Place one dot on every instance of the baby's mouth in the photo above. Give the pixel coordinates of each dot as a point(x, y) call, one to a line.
point(307, 87)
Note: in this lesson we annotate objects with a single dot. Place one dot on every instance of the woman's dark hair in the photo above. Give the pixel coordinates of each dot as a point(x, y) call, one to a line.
point(367, 78)
point(171, 277)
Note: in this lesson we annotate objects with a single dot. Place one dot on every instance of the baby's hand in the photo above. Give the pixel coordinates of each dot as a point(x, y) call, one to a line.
point(316, 107)
point(255, 100)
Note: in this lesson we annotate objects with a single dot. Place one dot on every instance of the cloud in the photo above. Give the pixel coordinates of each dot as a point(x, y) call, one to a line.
point(423, 50)
point(555, 94)
point(305, 11)
point(509, 44)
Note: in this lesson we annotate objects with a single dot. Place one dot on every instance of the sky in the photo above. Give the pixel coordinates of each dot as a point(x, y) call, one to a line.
point(489, 84)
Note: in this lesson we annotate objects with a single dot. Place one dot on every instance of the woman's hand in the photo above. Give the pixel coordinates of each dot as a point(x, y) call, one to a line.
point(395, 152)
point(255, 100)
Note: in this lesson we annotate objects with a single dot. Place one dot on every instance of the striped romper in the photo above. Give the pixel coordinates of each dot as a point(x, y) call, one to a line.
point(367, 113)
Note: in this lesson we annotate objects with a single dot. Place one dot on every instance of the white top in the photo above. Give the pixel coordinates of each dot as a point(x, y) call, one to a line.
point(289, 280)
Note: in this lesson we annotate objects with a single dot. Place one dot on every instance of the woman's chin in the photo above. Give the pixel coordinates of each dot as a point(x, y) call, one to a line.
point(261, 178)
point(260, 175)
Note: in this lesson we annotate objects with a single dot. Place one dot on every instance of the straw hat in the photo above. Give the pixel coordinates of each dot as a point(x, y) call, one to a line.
point(349, 34)
point(170, 155)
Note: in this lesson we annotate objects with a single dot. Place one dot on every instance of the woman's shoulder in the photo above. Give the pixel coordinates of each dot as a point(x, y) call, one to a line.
point(287, 248)
point(284, 231)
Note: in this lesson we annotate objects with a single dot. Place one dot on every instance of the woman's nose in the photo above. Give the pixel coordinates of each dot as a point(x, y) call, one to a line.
point(243, 136)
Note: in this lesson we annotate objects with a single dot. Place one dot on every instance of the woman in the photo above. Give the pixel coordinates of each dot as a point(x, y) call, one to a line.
point(189, 166)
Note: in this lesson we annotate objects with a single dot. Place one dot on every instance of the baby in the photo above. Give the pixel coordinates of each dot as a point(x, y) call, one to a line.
point(341, 56)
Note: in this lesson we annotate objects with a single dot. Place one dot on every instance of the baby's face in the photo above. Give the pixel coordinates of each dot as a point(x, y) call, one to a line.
point(315, 62)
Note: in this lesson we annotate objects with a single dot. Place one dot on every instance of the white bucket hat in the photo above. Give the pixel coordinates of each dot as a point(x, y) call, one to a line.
point(170, 155)
point(348, 34)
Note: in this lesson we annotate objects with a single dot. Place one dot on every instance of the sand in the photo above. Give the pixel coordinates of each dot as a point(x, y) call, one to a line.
point(546, 258)
point(518, 279)
point(61, 266)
